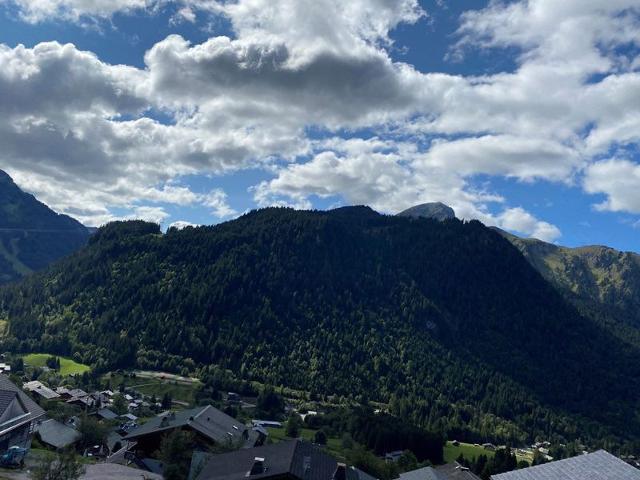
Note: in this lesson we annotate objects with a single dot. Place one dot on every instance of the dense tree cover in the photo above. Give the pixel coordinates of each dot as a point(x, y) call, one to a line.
point(446, 322)
point(380, 432)
point(32, 235)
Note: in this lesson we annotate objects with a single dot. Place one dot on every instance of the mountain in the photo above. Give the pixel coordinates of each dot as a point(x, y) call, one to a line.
point(446, 322)
point(437, 211)
point(601, 281)
point(31, 234)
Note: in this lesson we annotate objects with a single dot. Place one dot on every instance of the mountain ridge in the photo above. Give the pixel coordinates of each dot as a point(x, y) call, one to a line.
point(445, 321)
point(31, 234)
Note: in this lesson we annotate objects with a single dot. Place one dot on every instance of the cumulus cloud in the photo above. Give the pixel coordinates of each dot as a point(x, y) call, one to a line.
point(519, 220)
point(78, 131)
point(35, 11)
point(619, 181)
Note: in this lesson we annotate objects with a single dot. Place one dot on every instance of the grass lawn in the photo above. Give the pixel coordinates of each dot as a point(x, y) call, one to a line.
point(67, 366)
point(154, 386)
point(470, 451)
point(334, 445)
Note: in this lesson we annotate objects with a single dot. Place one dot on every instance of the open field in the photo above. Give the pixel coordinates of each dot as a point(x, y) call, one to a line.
point(148, 385)
point(67, 366)
point(470, 451)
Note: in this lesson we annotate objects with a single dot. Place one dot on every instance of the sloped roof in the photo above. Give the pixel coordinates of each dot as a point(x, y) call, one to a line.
point(426, 473)
point(41, 389)
point(8, 392)
point(450, 471)
point(284, 458)
point(57, 434)
point(208, 421)
point(455, 471)
point(107, 414)
point(599, 465)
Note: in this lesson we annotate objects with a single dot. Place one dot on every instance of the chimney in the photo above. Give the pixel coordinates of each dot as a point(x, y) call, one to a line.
point(258, 466)
point(340, 473)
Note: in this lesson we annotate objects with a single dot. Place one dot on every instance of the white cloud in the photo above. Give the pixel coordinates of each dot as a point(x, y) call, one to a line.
point(78, 131)
point(35, 11)
point(520, 221)
point(180, 224)
point(619, 180)
point(148, 214)
point(217, 201)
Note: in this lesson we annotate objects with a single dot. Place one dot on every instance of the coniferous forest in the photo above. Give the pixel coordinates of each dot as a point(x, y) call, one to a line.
point(446, 322)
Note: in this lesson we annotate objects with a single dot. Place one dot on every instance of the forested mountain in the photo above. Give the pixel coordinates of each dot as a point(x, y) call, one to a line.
point(31, 234)
point(445, 321)
point(602, 282)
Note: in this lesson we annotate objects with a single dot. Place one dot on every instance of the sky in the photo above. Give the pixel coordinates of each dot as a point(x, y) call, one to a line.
point(524, 114)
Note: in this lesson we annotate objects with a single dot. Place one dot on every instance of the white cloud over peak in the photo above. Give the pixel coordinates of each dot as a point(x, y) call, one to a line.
point(78, 131)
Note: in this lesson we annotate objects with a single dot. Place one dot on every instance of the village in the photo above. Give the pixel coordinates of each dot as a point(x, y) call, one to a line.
point(123, 430)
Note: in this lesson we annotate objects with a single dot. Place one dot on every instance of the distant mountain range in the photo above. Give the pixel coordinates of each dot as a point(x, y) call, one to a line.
point(444, 321)
point(31, 234)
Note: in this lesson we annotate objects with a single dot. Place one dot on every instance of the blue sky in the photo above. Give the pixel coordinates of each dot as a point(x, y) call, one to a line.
point(523, 114)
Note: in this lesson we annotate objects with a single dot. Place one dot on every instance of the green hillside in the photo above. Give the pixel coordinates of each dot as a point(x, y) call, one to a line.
point(446, 322)
point(602, 282)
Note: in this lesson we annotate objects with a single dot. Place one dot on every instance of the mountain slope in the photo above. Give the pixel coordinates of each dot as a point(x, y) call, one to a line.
point(435, 210)
point(601, 281)
point(32, 235)
point(446, 321)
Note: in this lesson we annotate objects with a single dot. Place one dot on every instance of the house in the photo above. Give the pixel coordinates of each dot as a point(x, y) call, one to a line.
point(293, 460)
point(64, 393)
point(599, 465)
point(129, 417)
point(393, 456)
point(266, 423)
point(19, 415)
point(40, 389)
point(450, 471)
point(83, 402)
point(106, 414)
point(210, 425)
point(77, 393)
point(57, 435)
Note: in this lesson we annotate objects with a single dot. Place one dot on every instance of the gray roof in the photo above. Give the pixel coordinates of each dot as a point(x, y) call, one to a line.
point(57, 434)
point(426, 473)
point(208, 421)
point(450, 471)
point(280, 459)
point(599, 465)
point(8, 392)
point(455, 471)
point(107, 414)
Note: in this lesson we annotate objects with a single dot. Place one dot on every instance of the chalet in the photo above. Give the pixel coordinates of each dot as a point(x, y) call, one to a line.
point(19, 415)
point(450, 471)
point(106, 414)
point(266, 423)
point(599, 465)
point(293, 460)
point(393, 456)
point(40, 389)
point(57, 435)
point(210, 425)
point(64, 393)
